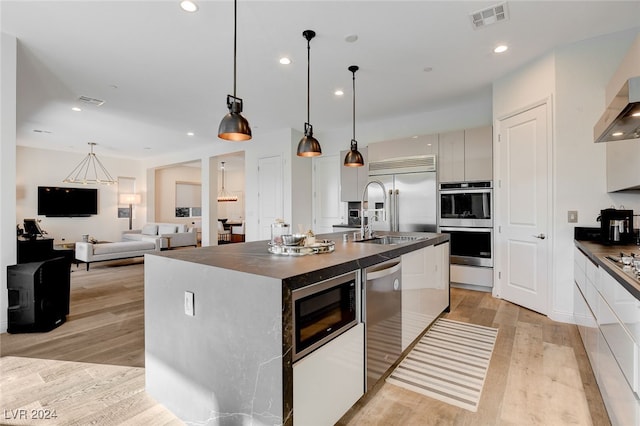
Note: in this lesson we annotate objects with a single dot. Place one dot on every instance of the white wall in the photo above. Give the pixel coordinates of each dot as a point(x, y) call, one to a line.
point(575, 77)
point(165, 194)
point(39, 167)
point(8, 69)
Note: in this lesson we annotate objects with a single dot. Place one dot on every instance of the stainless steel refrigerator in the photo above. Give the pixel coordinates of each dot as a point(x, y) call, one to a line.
point(411, 202)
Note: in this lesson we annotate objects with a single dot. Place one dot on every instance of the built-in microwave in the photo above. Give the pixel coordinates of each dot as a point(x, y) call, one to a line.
point(466, 204)
point(323, 311)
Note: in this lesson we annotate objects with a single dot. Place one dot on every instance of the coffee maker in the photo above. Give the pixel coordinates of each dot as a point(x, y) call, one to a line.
point(616, 226)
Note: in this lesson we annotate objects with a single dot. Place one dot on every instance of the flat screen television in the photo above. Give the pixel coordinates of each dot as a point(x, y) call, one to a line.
point(67, 202)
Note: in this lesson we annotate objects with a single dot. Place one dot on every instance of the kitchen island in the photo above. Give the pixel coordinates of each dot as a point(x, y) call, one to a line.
point(218, 325)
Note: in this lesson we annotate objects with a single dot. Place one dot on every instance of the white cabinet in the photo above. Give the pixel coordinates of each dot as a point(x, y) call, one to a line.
point(353, 179)
point(327, 382)
point(425, 289)
point(466, 155)
point(608, 318)
point(405, 147)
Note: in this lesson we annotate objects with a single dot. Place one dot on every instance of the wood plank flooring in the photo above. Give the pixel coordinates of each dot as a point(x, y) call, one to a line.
point(90, 368)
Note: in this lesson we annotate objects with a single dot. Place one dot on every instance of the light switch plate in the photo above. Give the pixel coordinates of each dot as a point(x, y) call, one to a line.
point(189, 303)
point(572, 216)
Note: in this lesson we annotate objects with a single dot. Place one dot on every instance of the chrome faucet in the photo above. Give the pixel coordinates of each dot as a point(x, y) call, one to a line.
point(365, 228)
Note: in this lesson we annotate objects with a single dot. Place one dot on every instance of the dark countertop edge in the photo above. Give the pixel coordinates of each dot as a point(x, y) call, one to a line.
point(586, 247)
point(378, 254)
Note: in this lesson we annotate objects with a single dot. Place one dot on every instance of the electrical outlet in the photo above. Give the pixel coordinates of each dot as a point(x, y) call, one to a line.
point(189, 303)
point(572, 216)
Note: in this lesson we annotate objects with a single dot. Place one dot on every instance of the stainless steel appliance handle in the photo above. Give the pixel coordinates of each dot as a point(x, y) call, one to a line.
point(392, 216)
point(397, 212)
point(466, 191)
point(465, 229)
point(383, 272)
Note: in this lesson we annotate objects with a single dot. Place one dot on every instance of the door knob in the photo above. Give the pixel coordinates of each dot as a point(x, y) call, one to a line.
point(541, 236)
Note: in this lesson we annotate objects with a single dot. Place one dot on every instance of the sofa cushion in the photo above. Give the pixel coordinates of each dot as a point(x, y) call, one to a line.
point(150, 229)
point(182, 228)
point(166, 229)
point(122, 246)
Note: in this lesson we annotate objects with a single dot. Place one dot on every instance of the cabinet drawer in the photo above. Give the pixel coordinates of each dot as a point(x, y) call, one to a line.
point(622, 303)
point(622, 405)
point(591, 271)
point(579, 276)
point(619, 341)
point(579, 258)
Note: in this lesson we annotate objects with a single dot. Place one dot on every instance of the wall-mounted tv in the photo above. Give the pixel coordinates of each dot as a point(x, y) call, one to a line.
point(67, 202)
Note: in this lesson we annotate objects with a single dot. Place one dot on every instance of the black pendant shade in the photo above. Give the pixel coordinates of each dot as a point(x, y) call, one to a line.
point(353, 157)
point(308, 145)
point(234, 127)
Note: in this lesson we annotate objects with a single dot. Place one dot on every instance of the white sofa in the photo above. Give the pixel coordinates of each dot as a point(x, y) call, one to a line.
point(169, 234)
point(89, 252)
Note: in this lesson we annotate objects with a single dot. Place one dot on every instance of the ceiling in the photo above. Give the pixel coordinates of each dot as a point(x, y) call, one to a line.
point(163, 72)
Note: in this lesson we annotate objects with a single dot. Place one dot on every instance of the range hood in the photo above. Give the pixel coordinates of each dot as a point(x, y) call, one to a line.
point(621, 119)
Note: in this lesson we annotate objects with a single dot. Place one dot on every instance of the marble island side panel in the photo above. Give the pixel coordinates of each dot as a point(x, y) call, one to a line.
point(192, 362)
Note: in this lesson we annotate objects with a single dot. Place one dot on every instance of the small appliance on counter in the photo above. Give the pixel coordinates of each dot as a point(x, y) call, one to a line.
point(616, 226)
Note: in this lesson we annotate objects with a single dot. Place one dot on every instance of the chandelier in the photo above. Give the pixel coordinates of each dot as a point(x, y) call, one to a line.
point(90, 170)
point(223, 195)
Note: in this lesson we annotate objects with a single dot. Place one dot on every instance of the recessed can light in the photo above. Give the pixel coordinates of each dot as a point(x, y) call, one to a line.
point(351, 38)
point(188, 6)
point(338, 92)
point(617, 134)
point(285, 61)
point(190, 133)
point(76, 109)
point(500, 48)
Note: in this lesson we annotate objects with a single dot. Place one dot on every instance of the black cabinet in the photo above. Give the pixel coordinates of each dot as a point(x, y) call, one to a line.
point(34, 250)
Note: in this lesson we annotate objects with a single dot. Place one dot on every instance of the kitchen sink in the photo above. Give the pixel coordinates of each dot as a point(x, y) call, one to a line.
point(390, 239)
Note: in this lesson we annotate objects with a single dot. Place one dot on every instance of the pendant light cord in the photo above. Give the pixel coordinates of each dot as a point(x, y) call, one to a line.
point(354, 105)
point(235, 43)
point(308, 77)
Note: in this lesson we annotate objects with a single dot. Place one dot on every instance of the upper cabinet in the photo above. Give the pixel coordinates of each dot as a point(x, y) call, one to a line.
point(405, 147)
point(466, 155)
point(353, 179)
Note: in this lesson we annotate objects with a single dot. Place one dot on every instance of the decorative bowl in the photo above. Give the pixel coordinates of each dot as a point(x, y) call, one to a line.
point(293, 239)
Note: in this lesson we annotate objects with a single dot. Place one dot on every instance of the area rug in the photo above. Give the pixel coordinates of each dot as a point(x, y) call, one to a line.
point(449, 363)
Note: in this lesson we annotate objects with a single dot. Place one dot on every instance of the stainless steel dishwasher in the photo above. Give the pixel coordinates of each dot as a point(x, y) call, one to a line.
point(383, 304)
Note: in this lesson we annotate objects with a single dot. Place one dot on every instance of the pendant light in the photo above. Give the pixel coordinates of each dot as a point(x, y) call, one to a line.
point(234, 127)
point(308, 145)
point(90, 170)
point(353, 157)
point(223, 195)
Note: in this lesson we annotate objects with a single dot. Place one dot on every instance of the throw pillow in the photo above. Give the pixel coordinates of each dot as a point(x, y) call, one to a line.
point(150, 230)
point(166, 229)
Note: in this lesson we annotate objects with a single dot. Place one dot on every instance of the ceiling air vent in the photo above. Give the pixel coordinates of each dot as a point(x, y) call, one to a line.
point(491, 15)
point(92, 101)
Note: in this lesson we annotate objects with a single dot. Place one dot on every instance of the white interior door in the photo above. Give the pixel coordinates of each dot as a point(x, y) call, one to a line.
point(523, 209)
point(270, 194)
point(326, 193)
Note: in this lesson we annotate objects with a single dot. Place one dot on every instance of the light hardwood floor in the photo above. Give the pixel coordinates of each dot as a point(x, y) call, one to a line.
point(539, 373)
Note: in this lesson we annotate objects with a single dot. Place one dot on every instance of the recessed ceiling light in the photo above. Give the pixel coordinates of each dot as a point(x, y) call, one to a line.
point(500, 48)
point(617, 134)
point(285, 61)
point(190, 133)
point(351, 38)
point(338, 92)
point(414, 137)
point(188, 6)
point(76, 109)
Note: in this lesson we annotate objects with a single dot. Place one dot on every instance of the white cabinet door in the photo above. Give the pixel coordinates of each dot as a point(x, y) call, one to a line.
point(478, 154)
point(348, 180)
point(425, 289)
point(327, 382)
point(326, 195)
point(451, 161)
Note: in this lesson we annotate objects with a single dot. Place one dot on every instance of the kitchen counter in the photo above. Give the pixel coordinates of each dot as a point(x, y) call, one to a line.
point(229, 359)
point(597, 253)
point(298, 271)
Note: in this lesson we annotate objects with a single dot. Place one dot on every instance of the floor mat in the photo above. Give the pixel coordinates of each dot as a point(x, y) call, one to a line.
point(449, 363)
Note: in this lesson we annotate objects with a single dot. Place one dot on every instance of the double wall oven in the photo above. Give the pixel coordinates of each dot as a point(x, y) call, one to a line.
point(466, 215)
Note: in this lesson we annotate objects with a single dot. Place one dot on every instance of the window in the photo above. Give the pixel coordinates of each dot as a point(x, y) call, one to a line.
point(188, 199)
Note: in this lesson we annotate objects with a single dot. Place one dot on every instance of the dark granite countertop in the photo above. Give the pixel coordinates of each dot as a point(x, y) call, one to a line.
point(597, 253)
point(298, 271)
